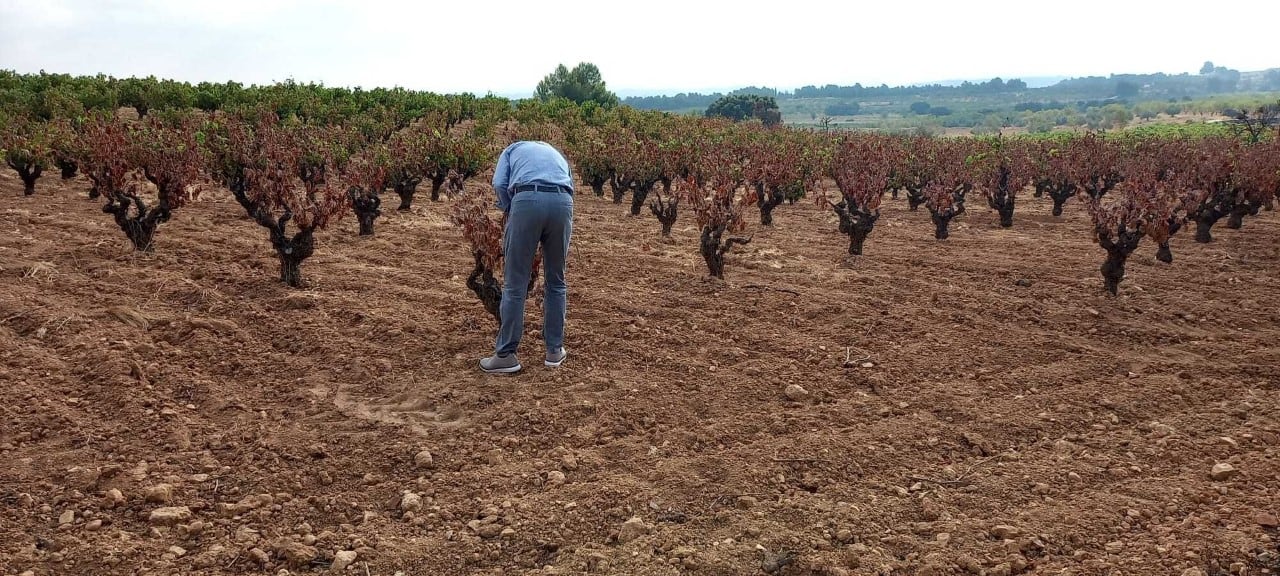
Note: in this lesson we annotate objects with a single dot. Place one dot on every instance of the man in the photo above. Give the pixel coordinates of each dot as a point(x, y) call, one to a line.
point(535, 190)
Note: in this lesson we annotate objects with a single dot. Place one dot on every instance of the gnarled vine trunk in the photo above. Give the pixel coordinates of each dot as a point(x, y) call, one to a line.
point(1163, 252)
point(67, 167)
point(915, 197)
point(486, 288)
point(292, 252)
point(1002, 198)
point(639, 193)
point(436, 182)
point(769, 200)
point(1060, 194)
point(140, 227)
point(619, 189)
point(1003, 205)
point(941, 221)
point(1236, 219)
point(714, 246)
point(1205, 219)
point(666, 213)
point(405, 190)
point(366, 207)
point(942, 216)
point(857, 222)
point(597, 185)
point(1118, 251)
point(291, 249)
point(28, 173)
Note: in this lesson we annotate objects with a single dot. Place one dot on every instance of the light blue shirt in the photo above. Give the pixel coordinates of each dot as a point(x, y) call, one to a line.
point(529, 162)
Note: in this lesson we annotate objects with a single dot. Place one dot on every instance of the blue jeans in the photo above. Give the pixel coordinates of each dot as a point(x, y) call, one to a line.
point(535, 218)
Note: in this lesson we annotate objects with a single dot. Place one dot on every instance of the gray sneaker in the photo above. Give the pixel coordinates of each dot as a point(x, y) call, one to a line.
point(495, 364)
point(557, 357)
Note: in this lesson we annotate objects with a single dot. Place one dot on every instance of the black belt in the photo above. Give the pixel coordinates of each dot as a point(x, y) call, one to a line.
point(543, 188)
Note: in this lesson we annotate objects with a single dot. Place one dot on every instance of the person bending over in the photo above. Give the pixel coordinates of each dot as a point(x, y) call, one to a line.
point(535, 190)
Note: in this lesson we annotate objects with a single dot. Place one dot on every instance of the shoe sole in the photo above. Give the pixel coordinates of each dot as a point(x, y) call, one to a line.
point(508, 370)
point(557, 363)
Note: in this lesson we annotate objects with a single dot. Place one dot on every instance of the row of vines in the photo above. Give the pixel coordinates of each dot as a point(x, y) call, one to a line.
point(296, 172)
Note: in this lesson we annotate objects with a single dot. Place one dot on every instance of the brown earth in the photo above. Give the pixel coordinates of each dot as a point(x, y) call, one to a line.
point(1009, 417)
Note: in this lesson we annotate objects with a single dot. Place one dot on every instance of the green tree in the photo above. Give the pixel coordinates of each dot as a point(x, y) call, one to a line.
point(1040, 122)
point(1115, 116)
point(920, 107)
point(582, 84)
point(742, 106)
point(1127, 89)
point(842, 109)
point(1271, 79)
point(1148, 110)
point(1224, 79)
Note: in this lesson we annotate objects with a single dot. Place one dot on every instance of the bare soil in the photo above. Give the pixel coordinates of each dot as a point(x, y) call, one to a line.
point(182, 412)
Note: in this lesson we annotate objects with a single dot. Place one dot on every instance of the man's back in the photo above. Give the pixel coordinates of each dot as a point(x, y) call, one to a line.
point(529, 162)
point(532, 161)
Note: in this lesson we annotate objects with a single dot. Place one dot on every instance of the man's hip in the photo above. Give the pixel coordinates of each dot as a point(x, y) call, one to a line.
point(543, 188)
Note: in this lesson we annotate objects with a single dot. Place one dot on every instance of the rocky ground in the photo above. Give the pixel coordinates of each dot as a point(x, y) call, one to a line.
point(973, 406)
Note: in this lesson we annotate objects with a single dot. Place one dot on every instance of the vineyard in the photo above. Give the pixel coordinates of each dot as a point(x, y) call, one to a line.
point(795, 352)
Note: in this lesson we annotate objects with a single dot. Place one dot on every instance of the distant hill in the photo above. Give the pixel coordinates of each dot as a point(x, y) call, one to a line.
point(1221, 80)
point(1032, 82)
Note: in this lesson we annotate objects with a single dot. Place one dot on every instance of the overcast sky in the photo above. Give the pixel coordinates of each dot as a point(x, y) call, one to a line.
point(653, 46)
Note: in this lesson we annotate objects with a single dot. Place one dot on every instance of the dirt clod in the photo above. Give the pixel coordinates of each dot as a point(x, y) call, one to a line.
point(299, 302)
point(159, 494)
point(1222, 472)
point(410, 502)
point(113, 498)
point(632, 529)
point(1006, 532)
point(295, 554)
point(796, 393)
point(343, 559)
point(169, 516)
point(259, 556)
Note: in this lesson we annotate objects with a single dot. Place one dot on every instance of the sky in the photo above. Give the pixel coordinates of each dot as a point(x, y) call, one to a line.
point(651, 47)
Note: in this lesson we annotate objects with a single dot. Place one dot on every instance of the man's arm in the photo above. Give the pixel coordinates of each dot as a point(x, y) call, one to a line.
point(502, 179)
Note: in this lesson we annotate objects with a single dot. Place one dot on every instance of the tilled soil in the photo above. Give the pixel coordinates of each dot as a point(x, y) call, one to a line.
point(976, 405)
